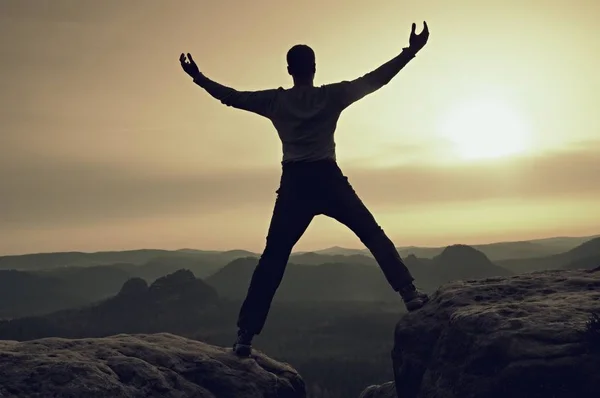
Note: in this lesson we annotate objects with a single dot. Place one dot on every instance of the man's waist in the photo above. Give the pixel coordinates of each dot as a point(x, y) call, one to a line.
point(305, 163)
point(308, 150)
point(310, 170)
point(308, 156)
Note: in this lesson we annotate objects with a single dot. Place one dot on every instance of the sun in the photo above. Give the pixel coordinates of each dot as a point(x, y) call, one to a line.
point(485, 129)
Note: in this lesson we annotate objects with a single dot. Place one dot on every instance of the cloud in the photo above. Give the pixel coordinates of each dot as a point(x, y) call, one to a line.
point(43, 192)
point(567, 173)
point(66, 193)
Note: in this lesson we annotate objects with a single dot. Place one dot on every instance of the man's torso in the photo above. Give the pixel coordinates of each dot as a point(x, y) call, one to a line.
point(305, 119)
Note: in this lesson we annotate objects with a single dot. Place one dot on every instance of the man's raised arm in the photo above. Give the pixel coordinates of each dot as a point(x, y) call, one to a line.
point(351, 91)
point(260, 102)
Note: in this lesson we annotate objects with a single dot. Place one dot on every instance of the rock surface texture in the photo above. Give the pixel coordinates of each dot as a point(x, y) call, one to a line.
point(145, 365)
point(517, 337)
point(386, 390)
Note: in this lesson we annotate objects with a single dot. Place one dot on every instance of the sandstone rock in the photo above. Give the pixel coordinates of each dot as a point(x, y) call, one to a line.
point(386, 390)
point(155, 365)
point(505, 337)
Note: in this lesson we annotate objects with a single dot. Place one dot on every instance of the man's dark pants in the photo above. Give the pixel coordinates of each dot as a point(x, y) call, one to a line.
point(308, 189)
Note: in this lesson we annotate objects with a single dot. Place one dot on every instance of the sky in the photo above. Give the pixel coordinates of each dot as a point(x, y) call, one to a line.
point(490, 134)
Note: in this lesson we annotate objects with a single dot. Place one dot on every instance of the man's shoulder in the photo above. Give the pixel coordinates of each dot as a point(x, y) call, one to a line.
point(336, 84)
point(270, 90)
point(337, 91)
point(337, 87)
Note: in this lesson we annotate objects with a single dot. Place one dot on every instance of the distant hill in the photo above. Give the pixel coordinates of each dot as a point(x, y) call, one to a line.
point(494, 251)
point(172, 303)
point(39, 261)
point(164, 265)
point(420, 252)
point(586, 249)
point(24, 293)
point(582, 252)
point(36, 292)
point(506, 250)
point(43, 261)
point(324, 282)
point(89, 283)
point(336, 250)
point(456, 262)
point(232, 281)
point(462, 262)
point(312, 258)
point(591, 262)
point(213, 260)
point(524, 249)
point(27, 293)
point(564, 243)
point(357, 281)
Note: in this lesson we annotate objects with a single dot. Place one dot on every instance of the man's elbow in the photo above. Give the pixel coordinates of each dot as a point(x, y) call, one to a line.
point(226, 101)
point(230, 98)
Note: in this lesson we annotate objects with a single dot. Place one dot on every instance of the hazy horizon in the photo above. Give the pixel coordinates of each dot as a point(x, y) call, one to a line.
point(296, 250)
point(489, 135)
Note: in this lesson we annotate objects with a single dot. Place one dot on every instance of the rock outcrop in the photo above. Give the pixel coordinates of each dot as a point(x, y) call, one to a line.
point(174, 303)
point(158, 365)
point(518, 337)
point(386, 390)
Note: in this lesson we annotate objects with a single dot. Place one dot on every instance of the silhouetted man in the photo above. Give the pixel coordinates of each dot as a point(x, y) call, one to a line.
point(305, 118)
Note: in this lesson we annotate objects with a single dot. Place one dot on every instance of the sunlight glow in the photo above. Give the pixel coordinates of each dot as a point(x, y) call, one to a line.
point(485, 129)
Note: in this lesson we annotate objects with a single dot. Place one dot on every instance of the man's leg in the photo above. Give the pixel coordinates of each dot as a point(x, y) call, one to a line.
point(344, 205)
point(291, 216)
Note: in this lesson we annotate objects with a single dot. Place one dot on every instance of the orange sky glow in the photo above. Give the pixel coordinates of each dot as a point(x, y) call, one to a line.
point(491, 133)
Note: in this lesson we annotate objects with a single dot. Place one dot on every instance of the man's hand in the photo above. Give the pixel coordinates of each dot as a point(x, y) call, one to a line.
point(418, 41)
point(189, 67)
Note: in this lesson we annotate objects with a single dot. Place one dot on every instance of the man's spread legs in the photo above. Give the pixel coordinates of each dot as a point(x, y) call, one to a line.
point(344, 205)
point(291, 216)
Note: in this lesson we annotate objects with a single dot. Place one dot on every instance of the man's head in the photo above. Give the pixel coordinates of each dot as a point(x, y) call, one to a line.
point(301, 62)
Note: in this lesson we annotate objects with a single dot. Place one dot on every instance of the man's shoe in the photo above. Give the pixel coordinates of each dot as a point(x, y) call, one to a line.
point(243, 345)
point(413, 299)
